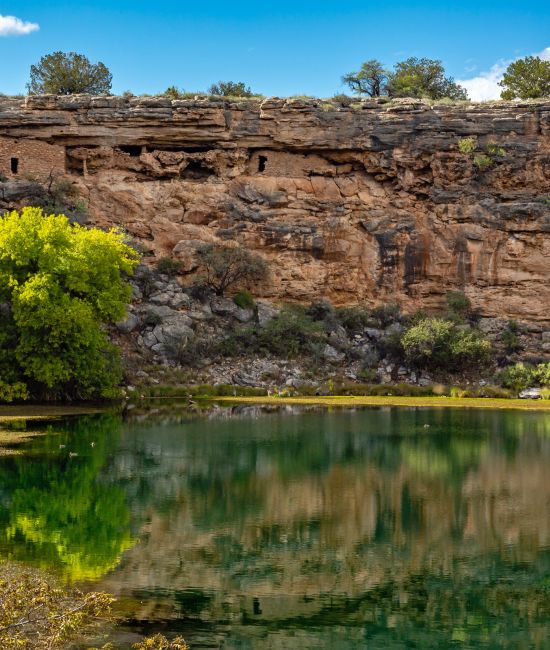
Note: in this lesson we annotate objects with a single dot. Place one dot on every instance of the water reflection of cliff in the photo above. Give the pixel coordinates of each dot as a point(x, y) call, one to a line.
point(378, 519)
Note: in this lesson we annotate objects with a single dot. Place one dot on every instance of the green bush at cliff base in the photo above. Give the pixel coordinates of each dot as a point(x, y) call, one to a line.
point(435, 343)
point(60, 284)
point(523, 375)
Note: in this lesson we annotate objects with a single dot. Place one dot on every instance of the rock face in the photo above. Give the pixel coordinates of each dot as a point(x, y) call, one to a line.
point(373, 202)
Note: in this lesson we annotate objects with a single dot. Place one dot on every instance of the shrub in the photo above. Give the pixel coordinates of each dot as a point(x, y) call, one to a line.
point(320, 311)
point(494, 149)
point(344, 100)
point(17, 391)
point(227, 266)
point(438, 343)
point(354, 319)
point(467, 145)
point(289, 334)
point(542, 374)
point(368, 375)
point(386, 314)
point(292, 332)
point(173, 92)
point(230, 89)
point(152, 318)
point(190, 352)
point(510, 338)
point(37, 614)
point(459, 305)
point(517, 377)
point(160, 642)
point(58, 195)
point(244, 299)
point(168, 266)
point(483, 161)
point(199, 291)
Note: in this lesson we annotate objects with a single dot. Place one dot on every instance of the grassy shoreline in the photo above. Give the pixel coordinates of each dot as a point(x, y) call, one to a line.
point(428, 402)
point(11, 413)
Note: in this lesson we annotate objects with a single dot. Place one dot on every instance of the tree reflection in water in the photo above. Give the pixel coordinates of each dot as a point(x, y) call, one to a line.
point(57, 513)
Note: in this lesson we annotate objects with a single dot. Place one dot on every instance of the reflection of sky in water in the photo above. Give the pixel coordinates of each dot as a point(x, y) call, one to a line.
point(325, 529)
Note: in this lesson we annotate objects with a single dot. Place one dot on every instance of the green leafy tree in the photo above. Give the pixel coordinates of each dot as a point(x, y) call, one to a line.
point(527, 78)
point(230, 89)
point(60, 284)
point(68, 73)
point(227, 266)
point(423, 78)
point(369, 80)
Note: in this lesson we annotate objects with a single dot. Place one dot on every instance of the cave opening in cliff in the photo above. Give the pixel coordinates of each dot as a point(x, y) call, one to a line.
point(133, 150)
point(14, 165)
point(195, 171)
point(262, 162)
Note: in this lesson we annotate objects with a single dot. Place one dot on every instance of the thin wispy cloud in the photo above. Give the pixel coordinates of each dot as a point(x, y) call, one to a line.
point(13, 26)
point(485, 86)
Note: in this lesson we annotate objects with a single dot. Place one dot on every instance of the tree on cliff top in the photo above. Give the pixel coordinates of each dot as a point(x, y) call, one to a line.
point(231, 89)
point(527, 78)
point(69, 73)
point(369, 80)
point(60, 284)
point(423, 78)
point(410, 78)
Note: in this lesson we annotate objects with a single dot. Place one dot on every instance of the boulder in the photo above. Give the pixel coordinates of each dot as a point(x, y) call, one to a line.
point(173, 331)
point(530, 393)
point(226, 307)
point(332, 355)
point(266, 312)
point(129, 324)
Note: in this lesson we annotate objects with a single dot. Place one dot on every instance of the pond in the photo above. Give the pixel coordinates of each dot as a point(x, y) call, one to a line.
point(375, 528)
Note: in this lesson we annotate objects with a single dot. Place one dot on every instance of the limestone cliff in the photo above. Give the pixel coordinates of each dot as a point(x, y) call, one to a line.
point(371, 202)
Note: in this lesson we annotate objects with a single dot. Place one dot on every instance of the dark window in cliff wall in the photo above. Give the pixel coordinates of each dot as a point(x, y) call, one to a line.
point(14, 165)
point(262, 161)
point(132, 149)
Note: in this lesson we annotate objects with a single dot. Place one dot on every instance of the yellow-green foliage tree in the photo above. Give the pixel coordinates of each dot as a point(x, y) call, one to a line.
point(60, 284)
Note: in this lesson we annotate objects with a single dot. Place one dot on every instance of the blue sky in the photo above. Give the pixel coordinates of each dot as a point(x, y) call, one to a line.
point(278, 47)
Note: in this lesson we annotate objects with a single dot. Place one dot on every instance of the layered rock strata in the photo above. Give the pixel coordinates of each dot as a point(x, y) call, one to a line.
point(373, 202)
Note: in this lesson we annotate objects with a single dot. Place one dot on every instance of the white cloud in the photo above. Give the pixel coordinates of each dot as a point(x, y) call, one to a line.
point(12, 26)
point(485, 86)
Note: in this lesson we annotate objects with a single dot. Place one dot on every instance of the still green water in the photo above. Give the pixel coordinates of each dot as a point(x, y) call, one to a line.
point(377, 528)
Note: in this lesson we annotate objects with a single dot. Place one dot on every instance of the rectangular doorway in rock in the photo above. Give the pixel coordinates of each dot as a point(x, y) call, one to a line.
point(14, 165)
